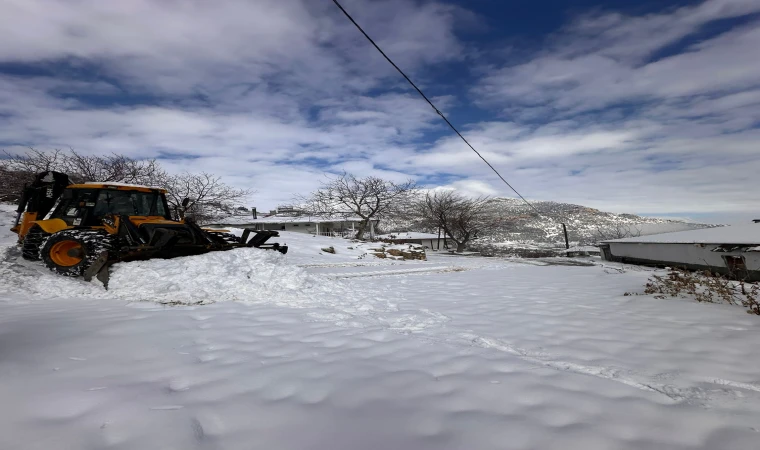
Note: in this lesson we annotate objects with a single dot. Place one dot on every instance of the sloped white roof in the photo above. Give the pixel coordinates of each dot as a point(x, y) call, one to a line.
point(408, 235)
point(735, 234)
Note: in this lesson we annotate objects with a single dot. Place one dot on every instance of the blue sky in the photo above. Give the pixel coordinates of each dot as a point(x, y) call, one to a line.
point(645, 107)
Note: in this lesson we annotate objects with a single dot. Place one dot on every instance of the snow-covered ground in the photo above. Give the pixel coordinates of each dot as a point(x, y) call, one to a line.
point(312, 350)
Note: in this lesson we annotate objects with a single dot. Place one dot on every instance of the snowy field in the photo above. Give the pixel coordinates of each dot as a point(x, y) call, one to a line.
point(250, 349)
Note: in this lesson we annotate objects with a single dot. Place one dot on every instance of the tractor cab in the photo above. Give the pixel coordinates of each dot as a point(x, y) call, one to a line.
point(87, 204)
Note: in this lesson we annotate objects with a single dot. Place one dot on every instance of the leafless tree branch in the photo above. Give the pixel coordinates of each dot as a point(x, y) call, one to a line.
point(209, 196)
point(462, 219)
point(369, 198)
point(618, 231)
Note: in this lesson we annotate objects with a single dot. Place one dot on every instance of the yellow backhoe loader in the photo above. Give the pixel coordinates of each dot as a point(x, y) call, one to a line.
point(81, 229)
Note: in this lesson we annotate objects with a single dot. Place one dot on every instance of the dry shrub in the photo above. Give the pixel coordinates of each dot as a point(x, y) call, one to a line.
point(705, 287)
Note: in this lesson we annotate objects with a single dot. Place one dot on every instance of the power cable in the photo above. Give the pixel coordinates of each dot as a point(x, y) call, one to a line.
point(433, 106)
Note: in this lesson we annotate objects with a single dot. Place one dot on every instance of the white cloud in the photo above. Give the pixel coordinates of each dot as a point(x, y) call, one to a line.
point(473, 188)
point(247, 85)
point(272, 94)
point(196, 46)
point(635, 113)
point(601, 60)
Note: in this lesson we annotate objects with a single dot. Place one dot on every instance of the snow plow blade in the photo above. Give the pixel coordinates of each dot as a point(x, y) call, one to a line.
point(99, 269)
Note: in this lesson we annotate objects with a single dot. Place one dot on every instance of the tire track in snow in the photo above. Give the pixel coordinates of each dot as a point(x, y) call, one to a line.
point(606, 373)
point(346, 264)
point(426, 329)
point(640, 381)
point(733, 384)
point(379, 273)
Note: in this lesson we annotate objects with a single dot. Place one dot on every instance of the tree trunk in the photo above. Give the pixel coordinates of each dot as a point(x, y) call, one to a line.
point(360, 231)
point(461, 247)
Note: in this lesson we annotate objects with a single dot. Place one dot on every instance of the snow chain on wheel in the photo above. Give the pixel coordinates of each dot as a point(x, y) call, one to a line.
point(70, 252)
point(33, 241)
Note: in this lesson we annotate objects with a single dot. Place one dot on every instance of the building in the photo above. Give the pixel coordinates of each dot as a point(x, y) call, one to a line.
point(427, 240)
point(322, 226)
point(732, 250)
point(583, 250)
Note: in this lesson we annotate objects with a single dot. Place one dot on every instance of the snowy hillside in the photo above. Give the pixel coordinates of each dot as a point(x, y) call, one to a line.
point(584, 224)
point(312, 350)
point(523, 226)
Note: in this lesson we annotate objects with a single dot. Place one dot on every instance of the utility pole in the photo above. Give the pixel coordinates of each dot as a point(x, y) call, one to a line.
point(567, 242)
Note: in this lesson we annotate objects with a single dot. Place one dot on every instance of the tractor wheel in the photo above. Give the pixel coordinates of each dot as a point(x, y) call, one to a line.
point(70, 252)
point(33, 241)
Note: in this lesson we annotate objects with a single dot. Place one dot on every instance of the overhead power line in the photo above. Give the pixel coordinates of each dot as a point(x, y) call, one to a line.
point(433, 106)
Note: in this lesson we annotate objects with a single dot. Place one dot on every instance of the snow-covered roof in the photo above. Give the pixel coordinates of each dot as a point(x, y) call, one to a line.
point(736, 234)
point(239, 220)
point(408, 235)
point(115, 183)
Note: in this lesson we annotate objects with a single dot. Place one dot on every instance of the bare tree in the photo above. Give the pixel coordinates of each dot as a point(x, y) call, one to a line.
point(618, 231)
point(113, 168)
point(33, 161)
point(368, 198)
point(11, 184)
point(110, 168)
point(209, 198)
point(461, 218)
point(18, 170)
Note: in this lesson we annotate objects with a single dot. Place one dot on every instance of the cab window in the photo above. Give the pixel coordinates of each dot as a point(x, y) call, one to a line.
point(128, 203)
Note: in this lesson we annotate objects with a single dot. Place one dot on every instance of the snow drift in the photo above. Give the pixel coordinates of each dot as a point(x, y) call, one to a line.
point(248, 275)
point(243, 275)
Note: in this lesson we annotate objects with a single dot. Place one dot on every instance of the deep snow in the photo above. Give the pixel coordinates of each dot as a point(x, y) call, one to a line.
point(314, 350)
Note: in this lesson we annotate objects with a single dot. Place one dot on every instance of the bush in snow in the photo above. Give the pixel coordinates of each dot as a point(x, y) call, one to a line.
point(705, 287)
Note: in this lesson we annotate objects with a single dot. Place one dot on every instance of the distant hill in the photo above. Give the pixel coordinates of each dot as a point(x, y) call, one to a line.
point(523, 227)
point(584, 225)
